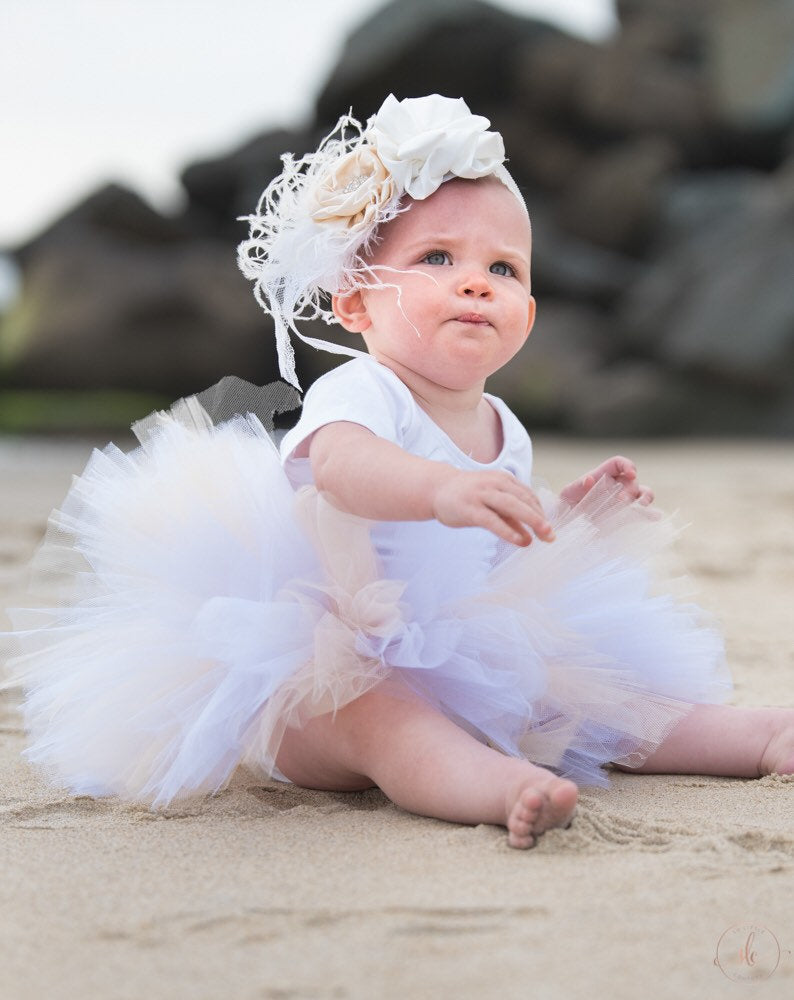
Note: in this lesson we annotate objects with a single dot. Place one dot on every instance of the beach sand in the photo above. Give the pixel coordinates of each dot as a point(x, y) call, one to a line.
point(270, 891)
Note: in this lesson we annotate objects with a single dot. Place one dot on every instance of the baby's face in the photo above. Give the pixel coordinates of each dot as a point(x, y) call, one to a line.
point(469, 297)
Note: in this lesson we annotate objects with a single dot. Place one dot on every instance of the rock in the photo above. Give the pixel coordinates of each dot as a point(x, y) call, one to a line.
point(751, 65)
point(642, 399)
point(543, 156)
point(229, 186)
point(683, 12)
point(624, 88)
point(112, 209)
point(631, 399)
point(567, 344)
point(630, 92)
point(564, 266)
point(615, 199)
point(457, 48)
point(718, 303)
point(111, 313)
point(692, 203)
point(548, 78)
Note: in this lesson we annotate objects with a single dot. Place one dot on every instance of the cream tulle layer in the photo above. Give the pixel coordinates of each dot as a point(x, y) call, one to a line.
point(194, 607)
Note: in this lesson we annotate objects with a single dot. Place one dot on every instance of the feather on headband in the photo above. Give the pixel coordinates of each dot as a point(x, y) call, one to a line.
point(316, 221)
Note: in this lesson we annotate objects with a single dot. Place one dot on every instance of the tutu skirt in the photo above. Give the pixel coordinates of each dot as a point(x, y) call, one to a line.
point(197, 606)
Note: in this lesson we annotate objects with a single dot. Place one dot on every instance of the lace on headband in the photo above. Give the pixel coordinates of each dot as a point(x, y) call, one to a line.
point(315, 223)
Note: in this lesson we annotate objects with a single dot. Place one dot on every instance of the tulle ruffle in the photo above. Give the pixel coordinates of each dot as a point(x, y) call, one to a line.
point(197, 607)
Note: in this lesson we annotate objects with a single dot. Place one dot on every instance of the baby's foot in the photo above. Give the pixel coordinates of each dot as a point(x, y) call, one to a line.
point(538, 803)
point(778, 757)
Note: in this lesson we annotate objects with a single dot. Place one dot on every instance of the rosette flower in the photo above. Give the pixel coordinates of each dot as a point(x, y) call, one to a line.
point(424, 141)
point(353, 191)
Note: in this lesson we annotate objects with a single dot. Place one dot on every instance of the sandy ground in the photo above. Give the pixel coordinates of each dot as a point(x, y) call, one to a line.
point(275, 892)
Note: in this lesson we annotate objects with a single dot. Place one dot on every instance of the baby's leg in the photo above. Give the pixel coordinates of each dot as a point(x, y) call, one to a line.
point(726, 740)
point(427, 765)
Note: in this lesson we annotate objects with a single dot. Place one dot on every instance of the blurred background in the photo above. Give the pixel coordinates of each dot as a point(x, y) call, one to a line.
point(653, 139)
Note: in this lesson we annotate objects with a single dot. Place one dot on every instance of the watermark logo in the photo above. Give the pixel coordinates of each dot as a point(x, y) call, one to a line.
point(747, 953)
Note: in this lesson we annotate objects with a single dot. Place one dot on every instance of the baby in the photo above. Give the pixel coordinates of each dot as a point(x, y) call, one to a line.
point(390, 600)
point(460, 308)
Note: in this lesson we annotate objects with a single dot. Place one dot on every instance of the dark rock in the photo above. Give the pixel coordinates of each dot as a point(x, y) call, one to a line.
point(631, 399)
point(642, 399)
point(229, 186)
point(111, 209)
point(542, 156)
point(549, 78)
point(615, 200)
point(682, 12)
point(751, 65)
point(457, 48)
point(623, 88)
point(114, 314)
point(630, 91)
point(692, 203)
point(567, 267)
point(567, 345)
point(719, 302)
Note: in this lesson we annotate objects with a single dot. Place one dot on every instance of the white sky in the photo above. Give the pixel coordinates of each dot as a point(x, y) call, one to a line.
point(132, 90)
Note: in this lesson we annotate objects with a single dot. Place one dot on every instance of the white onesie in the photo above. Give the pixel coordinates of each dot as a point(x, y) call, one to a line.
point(365, 392)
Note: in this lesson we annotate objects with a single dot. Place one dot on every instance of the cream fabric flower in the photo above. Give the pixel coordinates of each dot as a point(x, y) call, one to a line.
point(424, 141)
point(353, 191)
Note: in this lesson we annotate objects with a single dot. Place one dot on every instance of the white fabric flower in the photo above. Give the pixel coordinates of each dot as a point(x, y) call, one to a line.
point(424, 141)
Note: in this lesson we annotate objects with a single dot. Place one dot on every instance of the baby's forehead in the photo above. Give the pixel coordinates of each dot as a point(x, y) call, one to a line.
point(457, 204)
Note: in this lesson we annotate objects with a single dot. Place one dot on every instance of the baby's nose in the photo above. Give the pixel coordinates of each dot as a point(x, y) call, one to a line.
point(476, 284)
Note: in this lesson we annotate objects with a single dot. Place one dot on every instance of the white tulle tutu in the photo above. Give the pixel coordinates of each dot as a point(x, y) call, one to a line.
point(201, 607)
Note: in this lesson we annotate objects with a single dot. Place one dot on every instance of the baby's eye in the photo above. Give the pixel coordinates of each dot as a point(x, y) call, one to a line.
point(437, 257)
point(502, 268)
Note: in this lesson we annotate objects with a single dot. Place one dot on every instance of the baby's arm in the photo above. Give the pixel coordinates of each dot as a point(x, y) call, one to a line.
point(617, 469)
point(374, 478)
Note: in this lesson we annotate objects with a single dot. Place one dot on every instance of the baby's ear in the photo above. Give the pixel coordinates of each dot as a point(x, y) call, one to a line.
point(531, 314)
point(351, 311)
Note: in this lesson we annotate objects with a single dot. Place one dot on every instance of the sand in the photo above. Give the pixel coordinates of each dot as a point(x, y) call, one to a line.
point(269, 891)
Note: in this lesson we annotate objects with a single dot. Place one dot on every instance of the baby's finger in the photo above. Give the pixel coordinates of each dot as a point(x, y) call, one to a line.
point(507, 528)
point(526, 495)
point(646, 496)
point(631, 489)
point(622, 468)
point(519, 512)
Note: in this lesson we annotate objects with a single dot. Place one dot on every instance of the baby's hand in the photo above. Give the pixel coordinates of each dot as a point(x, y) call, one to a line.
point(617, 469)
point(493, 500)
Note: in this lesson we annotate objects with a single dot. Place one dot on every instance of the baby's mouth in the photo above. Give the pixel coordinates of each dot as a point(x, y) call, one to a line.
point(473, 318)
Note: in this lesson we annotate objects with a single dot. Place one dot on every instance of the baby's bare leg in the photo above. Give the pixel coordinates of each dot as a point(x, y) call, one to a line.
point(726, 740)
point(427, 765)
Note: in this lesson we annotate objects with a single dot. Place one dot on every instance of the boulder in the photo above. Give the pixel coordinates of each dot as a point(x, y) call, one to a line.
point(634, 398)
point(544, 157)
point(221, 189)
point(110, 313)
point(718, 300)
point(457, 48)
point(750, 50)
point(111, 209)
point(567, 345)
point(615, 199)
point(629, 86)
point(565, 266)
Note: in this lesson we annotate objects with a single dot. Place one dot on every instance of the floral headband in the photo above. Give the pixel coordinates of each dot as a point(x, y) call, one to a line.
point(316, 221)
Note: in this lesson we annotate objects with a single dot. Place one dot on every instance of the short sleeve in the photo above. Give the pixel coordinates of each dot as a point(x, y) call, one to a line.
point(351, 392)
